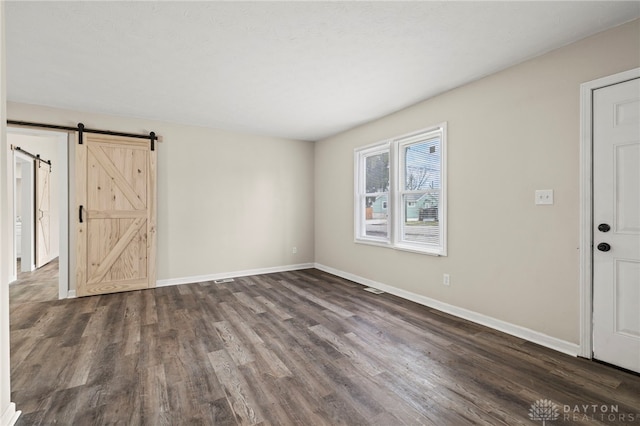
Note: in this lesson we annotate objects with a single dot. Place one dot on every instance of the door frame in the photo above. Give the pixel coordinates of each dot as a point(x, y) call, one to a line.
point(28, 250)
point(63, 141)
point(586, 203)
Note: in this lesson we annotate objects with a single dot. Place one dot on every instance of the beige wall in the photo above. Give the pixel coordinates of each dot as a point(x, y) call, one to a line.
point(509, 134)
point(226, 201)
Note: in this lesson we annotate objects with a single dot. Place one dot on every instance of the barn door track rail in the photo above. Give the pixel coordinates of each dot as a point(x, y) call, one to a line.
point(81, 130)
point(34, 156)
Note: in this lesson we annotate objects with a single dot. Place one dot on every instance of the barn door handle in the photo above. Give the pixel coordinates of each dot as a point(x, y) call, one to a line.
point(80, 213)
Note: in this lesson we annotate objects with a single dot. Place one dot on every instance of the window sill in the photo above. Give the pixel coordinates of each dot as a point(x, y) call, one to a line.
point(403, 247)
point(420, 250)
point(373, 243)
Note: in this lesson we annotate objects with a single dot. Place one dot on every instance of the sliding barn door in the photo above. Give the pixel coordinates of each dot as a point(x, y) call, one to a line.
point(43, 216)
point(116, 197)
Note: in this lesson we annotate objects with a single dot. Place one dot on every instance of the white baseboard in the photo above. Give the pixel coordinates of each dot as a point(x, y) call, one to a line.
point(71, 294)
point(506, 327)
point(10, 415)
point(235, 274)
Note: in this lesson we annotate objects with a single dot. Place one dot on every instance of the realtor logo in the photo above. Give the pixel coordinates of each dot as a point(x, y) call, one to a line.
point(544, 410)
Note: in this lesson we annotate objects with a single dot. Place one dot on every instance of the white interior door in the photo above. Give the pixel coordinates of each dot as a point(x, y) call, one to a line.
point(616, 224)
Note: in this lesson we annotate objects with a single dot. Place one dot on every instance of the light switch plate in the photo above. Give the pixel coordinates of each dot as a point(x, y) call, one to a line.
point(544, 196)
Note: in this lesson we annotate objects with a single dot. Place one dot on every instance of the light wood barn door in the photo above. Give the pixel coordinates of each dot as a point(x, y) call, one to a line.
point(43, 216)
point(116, 197)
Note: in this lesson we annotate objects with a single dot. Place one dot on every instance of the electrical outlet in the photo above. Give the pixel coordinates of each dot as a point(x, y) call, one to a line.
point(294, 250)
point(544, 196)
point(445, 279)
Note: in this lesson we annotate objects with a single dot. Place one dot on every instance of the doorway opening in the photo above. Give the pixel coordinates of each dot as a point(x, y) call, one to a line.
point(39, 200)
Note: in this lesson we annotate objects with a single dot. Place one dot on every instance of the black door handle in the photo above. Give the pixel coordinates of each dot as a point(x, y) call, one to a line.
point(80, 214)
point(604, 247)
point(603, 227)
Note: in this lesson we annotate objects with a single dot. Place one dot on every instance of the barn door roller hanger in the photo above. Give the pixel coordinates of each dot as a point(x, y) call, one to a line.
point(34, 156)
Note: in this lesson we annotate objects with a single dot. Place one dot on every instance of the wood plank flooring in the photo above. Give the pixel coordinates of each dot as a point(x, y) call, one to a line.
point(303, 348)
point(36, 286)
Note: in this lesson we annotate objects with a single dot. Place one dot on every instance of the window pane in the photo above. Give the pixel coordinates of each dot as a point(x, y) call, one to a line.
point(377, 173)
point(422, 165)
point(421, 217)
point(376, 216)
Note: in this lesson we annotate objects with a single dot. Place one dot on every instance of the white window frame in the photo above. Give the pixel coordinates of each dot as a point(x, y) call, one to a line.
point(395, 210)
point(360, 168)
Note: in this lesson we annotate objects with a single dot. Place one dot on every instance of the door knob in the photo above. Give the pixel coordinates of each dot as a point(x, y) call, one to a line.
point(604, 247)
point(603, 227)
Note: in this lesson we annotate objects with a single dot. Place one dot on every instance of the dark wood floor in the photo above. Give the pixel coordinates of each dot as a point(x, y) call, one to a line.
point(302, 348)
point(37, 286)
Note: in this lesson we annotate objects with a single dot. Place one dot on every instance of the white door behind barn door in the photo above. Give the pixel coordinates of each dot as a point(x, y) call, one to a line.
point(43, 214)
point(616, 224)
point(116, 196)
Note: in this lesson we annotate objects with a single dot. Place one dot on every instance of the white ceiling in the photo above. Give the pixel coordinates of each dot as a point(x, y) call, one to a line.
point(302, 70)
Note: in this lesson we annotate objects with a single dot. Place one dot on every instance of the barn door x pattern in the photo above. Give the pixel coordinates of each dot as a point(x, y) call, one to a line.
point(116, 187)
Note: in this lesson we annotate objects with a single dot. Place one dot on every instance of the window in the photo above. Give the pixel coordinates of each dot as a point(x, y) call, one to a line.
point(373, 193)
point(400, 192)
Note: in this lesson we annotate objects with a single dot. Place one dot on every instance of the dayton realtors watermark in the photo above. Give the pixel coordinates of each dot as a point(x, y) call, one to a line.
point(547, 411)
point(599, 412)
